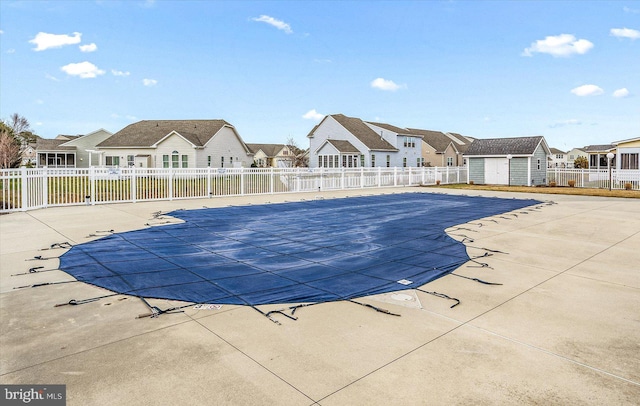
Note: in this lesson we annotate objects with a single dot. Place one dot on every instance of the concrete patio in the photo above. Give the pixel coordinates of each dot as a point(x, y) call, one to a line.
point(564, 328)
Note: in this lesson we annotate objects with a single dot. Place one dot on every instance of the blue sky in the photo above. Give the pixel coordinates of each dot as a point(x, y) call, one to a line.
point(569, 71)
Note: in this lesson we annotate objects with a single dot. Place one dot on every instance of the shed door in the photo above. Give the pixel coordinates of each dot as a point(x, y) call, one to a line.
point(496, 171)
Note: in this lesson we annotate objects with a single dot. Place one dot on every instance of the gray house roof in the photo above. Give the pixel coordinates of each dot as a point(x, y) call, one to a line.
point(440, 141)
point(269, 150)
point(599, 148)
point(343, 146)
point(363, 133)
point(55, 144)
point(556, 151)
point(393, 128)
point(505, 146)
point(147, 133)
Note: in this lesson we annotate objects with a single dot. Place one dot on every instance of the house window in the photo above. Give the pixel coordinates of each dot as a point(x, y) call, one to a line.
point(231, 161)
point(130, 160)
point(404, 162)
point(571, 157)
point(629, 161)
point(538, 163)
point(373, 160)
point(449, 161)
point(344, 161)
point(209, 161)
point(222, 162)
point(175, 160)
point(362, 160)
point(388, 161)
point(419, 162)
point(112, 160)
point(165, 161)
point(185, 161)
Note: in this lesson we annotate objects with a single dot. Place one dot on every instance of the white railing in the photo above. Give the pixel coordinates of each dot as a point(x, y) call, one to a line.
point(595, 178)
point(25, 189)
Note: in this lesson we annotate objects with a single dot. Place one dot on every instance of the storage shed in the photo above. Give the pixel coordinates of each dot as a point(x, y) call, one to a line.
point(508, 161)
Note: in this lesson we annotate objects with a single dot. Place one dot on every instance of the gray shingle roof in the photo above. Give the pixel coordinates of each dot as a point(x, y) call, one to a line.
point(504, 146)
point(343, 146)
point(148, 132)
point(556, 151)
point(269, 150)
point(599, 148)
point(49, 144)
point(363, 133)
point(393, 128)
point(436, 139)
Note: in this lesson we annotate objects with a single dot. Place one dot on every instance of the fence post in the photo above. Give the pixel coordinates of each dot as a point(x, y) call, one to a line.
point(581, 177)
point(24, 198)
point(209, 181)
point(45, 187)
point(342, 178)
point(170, 184)
point(134, 184)
point(409, 176)
point(395, 176)
point(361, 177)
point(242, 175)
point(271, 181)
point(447, 182)
point(92, 181)
point(457, 174)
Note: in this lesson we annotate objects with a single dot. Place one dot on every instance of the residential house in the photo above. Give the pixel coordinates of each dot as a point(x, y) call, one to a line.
point(442, 148)
point(598, 155)
point(271, 155)
point(627, 153)
point(557, 158)
point(70, 151)
point(573, 155)
point(508, 161)
point(176, 144)
point(341, 141)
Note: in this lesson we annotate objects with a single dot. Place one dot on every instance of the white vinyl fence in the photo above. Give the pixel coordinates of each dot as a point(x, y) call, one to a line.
point(596, 178)
point(25, 189)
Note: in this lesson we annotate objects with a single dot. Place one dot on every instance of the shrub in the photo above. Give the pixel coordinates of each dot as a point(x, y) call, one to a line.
point(572, 183)
point(581, 162)
point(437, 182)
point(628, 186)
point(552, 184)
point(471, 182)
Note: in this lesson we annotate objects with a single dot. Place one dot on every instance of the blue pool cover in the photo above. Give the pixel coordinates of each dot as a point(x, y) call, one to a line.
point(303, 252)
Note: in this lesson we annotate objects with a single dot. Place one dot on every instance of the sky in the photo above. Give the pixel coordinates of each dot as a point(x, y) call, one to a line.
point(567, 70)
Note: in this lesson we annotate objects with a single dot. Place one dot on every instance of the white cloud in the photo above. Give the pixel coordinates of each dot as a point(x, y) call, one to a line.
point(625, 33)
point(43, 40)
point(559, 45)
point(631, 10)
point(149, 82)
point(119, 73)
point(279, 24)
point(55, 79)
point(88, 48)
point(565, 123)
point(384, 84)
point(313, 115)
point(587, 90)
point(620, 93)
point(85, 70)
point(11, 51)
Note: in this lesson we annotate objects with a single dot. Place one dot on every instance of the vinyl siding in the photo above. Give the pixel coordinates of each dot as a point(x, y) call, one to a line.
point(476, 170)
point(224, 144)
point(519, 171)
point(539, 177)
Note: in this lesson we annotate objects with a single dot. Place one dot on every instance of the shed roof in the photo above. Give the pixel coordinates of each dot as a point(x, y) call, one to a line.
point(505, 146)
point(146, 133)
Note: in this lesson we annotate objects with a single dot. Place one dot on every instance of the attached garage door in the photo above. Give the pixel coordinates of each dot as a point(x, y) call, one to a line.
point(496, 171)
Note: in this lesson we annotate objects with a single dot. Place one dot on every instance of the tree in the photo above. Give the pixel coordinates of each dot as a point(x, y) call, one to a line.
point(581, 162)
point(10, 154)
point(298, 159)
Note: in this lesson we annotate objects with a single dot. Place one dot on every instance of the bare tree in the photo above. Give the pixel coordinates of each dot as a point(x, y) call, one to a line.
point(298, 159)
point(10, 153)
point(18, 124)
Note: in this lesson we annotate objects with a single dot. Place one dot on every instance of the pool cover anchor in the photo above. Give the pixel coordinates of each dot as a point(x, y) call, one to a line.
point(35, 270)
point(378, 309)
point(57, 245)
point(475, 279)
point(442, 295)
point(37, 285)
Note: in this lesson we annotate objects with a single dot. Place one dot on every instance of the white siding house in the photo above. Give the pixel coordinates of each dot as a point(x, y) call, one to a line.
point(176, 144)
